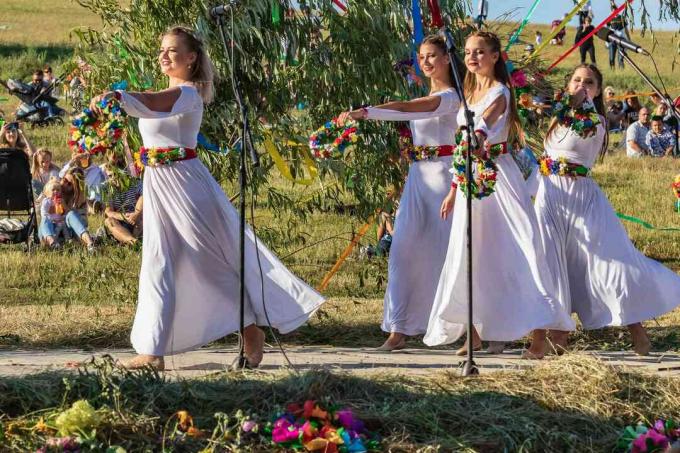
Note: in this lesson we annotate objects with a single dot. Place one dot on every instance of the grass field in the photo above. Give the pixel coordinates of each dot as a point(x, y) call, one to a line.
point(72, 299)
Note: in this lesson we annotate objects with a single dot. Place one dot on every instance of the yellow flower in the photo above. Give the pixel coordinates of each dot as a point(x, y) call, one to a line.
point(79, 417)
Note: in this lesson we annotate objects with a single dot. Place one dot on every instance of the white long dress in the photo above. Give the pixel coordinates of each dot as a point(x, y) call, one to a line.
point(420, 236)
point(189, 279)
point(511, 288)
point(601, 276)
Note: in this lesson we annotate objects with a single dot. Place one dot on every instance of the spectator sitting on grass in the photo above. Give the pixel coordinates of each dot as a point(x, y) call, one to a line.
point(11, 136)
point(660, 140)
point(636, 135)
point(385, 233)
point(42, 170)
point(57, 221)
point(94, 179)
point(123, 213)
point(73, 188)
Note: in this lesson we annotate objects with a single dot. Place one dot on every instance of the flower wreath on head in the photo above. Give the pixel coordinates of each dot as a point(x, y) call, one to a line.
point(485, 171)
point(331, 139)
point(93, 134)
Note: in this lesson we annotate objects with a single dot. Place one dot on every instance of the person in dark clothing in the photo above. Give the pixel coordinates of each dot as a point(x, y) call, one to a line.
point(619, 26)
point(588, 47)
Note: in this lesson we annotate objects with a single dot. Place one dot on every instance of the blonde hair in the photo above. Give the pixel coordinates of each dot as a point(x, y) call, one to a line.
point(202, 71)
point(500, 72)
point(50, 186)
point(77, 199)
point(35, 166)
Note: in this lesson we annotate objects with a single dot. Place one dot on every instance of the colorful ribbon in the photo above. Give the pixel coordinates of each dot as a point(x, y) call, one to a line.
point(436, 13)
point(276, 13)
point(203, 141)
point(640, 222)
point(614, 13)
point(418, 34)
point(282, 166)
point(559, 28)
point(355, 241)
point(515, 36)
point(339, 4)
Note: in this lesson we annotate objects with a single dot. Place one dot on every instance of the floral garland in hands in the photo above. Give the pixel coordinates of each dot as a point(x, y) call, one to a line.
point(577, 112)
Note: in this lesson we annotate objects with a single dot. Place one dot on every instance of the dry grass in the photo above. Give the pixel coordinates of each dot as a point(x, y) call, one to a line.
point(570, 404)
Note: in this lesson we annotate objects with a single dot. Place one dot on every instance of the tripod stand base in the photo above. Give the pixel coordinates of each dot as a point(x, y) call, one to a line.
point(469, 368)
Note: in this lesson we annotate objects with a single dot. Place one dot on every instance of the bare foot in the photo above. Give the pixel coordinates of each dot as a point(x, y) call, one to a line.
point(394, 342)
point(253, 338)
point(476, 346)
point(641, 343)
point(538, 346)
point(143, 361)
point(559, 341)
point(496, 347)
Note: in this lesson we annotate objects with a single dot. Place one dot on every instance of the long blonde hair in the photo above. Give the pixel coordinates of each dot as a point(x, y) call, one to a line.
point(500, 72)
point(35, 166)
point(202, 71)
point(77, 199)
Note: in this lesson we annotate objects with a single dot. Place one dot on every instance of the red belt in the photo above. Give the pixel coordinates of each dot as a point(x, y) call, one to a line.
point(163, 156)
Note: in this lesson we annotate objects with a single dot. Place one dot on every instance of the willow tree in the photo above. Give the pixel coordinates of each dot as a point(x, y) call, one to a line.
point(298, 69)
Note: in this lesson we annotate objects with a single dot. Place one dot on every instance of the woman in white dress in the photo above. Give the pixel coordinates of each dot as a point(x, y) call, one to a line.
point(600, 274)
point(511, 294)
point(419, 242)
point(189, 279)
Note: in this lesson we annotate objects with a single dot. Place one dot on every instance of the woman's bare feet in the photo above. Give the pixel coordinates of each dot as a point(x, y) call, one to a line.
point(144, 361)
point(496, 347)
point(641, 343)
point(253, 343)
point(394, 342)
point(559, 339)
point(538, 346)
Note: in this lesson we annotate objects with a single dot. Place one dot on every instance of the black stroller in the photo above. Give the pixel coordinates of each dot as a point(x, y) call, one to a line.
point(35, 104)
point(16, 196)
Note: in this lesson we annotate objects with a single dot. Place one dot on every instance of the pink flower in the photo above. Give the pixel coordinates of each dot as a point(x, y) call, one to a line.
point(248, 425)
point(518, 79)
point(651, 438)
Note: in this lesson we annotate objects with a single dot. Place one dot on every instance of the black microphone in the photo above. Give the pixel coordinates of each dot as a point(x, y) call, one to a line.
point(221, 10)
point(607, 34)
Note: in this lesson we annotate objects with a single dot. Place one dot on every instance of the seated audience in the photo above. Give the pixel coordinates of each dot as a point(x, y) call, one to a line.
point(11, 136)
point(57, 221)
point(631, 108)
point(123, 213)
point(73, 188)
point(42, 170)
point(636, 135)
point(94, 179)
point(660, 140)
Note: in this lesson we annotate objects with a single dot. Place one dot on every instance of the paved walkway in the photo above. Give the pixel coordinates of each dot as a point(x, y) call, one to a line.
point(355, 360)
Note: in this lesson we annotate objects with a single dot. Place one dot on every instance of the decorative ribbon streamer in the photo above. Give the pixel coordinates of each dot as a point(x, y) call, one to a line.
point(276, 12)
point(339, 4)
point(418, 34)
point(433, 6)
point(614, 13)
point(643, 223)
point(283, 168)
point(203, 141)
point(515, 36)
point(559, 28)
point(355, 241)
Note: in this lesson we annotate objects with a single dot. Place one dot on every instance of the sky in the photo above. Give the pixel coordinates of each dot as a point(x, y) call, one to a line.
point(549, 10)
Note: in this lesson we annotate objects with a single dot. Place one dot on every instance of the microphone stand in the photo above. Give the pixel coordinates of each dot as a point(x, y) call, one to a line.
point(246, 147)
point(665, 98)
point(469, 366)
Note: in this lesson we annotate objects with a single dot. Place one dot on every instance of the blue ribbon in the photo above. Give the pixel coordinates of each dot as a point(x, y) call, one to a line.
point(418, 34)
point(203, 141)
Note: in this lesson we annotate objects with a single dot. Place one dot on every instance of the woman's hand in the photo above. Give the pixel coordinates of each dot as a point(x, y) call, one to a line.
point(355, 115)
point(94, 103)
point(447, 204)
point(578, 97)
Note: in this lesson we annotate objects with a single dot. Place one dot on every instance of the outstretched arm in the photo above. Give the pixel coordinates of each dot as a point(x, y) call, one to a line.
point(161, 104)
point(416, 109)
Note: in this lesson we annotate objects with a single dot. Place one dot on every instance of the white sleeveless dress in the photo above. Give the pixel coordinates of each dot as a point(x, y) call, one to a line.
point(420, 236)
point(189, 279)
point(600, 275)
point(512, 291)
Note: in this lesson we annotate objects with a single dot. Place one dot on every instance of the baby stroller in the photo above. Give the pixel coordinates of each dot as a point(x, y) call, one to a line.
point(35, 104)
point(16, 196)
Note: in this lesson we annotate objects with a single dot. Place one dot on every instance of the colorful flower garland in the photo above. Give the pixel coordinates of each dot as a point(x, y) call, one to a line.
point(94, 134)
point(485, 170)
point(643, 439)
point(416, 153)
point(561, 167)
point(161, 156)
point(331, 139)
point(582, 120)
point(315, 427)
